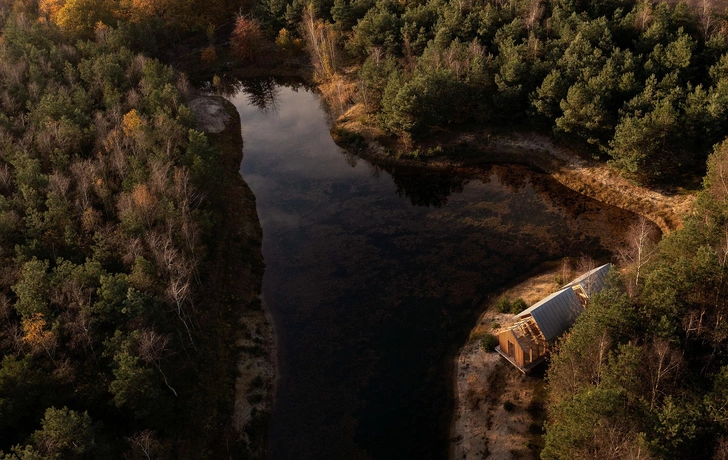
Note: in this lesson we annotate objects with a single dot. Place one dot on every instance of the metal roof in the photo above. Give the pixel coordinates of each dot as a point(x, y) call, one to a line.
point(593, 280)
point(557, 312)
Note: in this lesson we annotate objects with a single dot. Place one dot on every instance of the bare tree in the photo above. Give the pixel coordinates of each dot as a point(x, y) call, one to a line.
point(641, 243)
point(644, 15)
point(159, 175)
point(59, 184)
point(179, 271)
point(721, 450)
point(662, 363)
point(321, 43)
point(83, 173)
point(706, 12)
point(6, 179)
point(144, 445)
point(153, 348)
point(533, 14)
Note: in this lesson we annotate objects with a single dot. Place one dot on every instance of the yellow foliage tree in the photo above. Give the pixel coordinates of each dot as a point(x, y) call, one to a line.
point(287, 42)
point(321, 43)
point(131, 123)
point(49, 9)
point(35, 335)
point(145, 203)
point(80, 17)
point(139, 11)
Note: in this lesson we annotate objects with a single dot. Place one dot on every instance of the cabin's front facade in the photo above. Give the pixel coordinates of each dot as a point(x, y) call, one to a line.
point(526, 342)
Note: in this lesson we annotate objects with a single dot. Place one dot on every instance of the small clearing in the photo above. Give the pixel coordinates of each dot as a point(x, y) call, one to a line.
point(499, 411)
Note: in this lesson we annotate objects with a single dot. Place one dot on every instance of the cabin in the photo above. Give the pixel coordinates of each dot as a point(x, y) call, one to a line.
point(526, 342)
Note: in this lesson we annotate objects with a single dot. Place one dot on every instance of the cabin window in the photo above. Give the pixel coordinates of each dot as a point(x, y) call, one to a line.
point(511, 349)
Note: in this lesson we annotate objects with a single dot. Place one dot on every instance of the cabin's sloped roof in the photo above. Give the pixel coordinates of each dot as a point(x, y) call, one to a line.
point(557, 312)
point(593, 280)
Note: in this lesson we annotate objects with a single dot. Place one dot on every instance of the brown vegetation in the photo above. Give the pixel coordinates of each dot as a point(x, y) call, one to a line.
point(245, 40)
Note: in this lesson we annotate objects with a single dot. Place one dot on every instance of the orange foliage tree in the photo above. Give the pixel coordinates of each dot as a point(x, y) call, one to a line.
point(208, 55)
point(245, 39)
point(35, 335)
point(131, 123)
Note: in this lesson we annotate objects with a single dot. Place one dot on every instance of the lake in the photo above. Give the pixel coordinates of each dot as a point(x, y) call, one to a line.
point(374, 276)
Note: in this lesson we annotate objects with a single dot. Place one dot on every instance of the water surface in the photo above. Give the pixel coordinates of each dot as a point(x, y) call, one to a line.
point(374, 277)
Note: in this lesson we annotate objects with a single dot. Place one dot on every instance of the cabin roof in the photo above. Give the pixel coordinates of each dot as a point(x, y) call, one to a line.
point(558, 311)
point(555, 313)
point(593, 280)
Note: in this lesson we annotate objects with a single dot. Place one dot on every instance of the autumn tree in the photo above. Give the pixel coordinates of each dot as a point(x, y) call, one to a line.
point(37, 337)
point(321, 43)
point(80, 17)
point(245, 40)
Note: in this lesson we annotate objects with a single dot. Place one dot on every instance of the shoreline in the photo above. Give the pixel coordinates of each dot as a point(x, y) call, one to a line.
point(236, 279)
point(585, 176)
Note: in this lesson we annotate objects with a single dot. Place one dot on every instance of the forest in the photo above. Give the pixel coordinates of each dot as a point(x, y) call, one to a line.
point(644, 372)
point(640, 83)
point(109, 345)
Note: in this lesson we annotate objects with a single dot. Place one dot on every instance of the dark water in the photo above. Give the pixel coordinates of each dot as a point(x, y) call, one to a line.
point(375, 277)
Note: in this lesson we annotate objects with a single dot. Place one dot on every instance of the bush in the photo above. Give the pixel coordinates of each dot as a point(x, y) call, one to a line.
point(536, 409)
point(489, 342)
point(208, 55)
point(350, 138)
point(288, 42)
point(503, 305)
point(518, 306)
point(508, 406)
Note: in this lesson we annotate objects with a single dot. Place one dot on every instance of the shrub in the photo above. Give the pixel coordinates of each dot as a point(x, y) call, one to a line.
point(535, 408)
point(508, 406)
point(503, 305)
point(518, 306)
point(489, 342)
point(208, 55)
point(287, 42)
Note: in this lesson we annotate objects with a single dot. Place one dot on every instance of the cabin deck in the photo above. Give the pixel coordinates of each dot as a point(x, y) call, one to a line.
point(525, 369)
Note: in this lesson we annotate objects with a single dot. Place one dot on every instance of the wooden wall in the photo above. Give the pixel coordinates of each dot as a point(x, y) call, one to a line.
point(503, 339)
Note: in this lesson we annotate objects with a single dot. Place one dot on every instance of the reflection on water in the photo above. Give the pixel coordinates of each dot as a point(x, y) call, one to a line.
point(374, 277)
